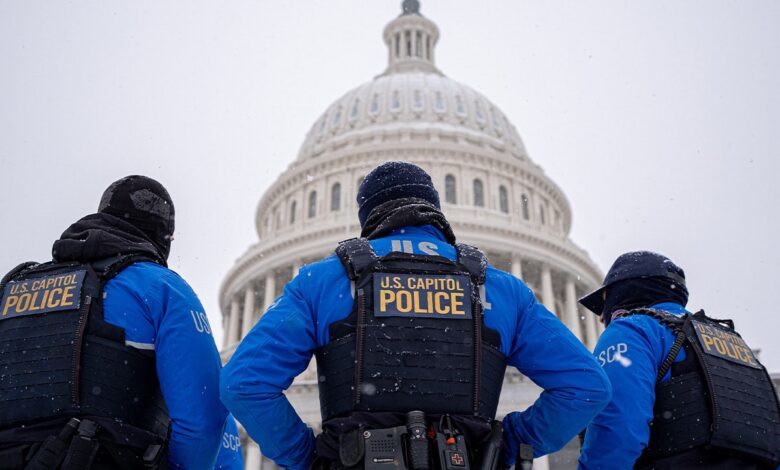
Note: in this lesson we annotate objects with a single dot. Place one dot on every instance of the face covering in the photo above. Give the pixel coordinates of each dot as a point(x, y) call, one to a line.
point(642, 293)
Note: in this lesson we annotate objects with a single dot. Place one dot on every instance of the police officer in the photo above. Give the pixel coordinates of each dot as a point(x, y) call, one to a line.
point(406, 320)
point(106, 355)
point(687, 391)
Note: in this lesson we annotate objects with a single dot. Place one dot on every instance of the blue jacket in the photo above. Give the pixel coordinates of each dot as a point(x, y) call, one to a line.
point(229, 457)
point(630, 351)
point(160, 312)
point(281, 344)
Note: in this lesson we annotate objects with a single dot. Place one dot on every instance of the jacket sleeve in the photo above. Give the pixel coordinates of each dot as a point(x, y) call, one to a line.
point(229, 457)
point(630, 357)
point(575, 387)
point(276, 350)
point(188, 368)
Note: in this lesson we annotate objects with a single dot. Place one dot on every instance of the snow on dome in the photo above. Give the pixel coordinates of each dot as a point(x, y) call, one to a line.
point(412, 100)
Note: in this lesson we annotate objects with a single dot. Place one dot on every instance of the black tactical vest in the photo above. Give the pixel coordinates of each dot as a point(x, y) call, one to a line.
point(415, 339)
point(718, 408)
point(60, 359)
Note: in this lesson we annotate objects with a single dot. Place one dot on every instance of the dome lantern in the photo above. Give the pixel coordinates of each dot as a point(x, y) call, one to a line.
point(411, 39)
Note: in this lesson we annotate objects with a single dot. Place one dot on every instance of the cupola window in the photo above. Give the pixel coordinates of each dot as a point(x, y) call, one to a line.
point(541, 214)
point(293, 210)
point(450, 190)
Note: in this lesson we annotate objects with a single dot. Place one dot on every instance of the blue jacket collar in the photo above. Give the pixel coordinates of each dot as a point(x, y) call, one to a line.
point(423, 231)
point(670, 307)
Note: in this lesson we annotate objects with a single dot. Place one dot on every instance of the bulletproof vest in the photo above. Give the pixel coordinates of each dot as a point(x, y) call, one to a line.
point(720, 404)
point(414, 340)
point(59, 358)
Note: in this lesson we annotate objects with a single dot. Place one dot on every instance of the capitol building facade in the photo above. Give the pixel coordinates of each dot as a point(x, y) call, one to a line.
point(493, 194)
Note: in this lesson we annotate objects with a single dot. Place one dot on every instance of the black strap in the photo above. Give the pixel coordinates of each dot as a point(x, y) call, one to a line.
point(108, 268)
point(474, 261)
point(83, 448)
point(673, 352)
point(355, 255)
point(671, 321)
point(53, 449)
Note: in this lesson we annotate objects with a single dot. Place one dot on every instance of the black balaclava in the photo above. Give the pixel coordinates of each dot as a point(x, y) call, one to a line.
point(144, 203)
point(642, 293)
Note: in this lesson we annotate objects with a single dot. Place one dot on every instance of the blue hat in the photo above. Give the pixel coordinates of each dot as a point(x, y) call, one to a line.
point(394, 180)
point(634, 265)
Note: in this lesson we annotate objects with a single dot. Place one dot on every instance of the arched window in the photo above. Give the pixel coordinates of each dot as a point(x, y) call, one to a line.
point(417, 103)
point(450, 190)
point(335, 197)
point(541, 214)
point(312, 204)
point(439, 105)
point(503, 199)
point(395, 102)
point(526, 212)
point(293, 208)
point(479, 193)
point(355, 107)
point(460, 108)
point(408, 35)
point(374, 104)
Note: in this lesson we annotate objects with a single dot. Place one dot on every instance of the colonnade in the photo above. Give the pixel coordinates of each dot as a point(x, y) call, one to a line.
point(244, 311)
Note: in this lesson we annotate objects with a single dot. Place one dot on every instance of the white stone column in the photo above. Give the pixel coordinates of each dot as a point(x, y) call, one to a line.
point(572, 315)
point(517, 267)
point(249, 309)
point(252, 460)
point(296, 267)
point(270, 289)
point(548, 296)
point(232, 332)
point(541, 463)
point(590, 327)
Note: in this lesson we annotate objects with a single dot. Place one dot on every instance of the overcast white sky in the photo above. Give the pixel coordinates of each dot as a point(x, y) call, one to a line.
point(658, 119)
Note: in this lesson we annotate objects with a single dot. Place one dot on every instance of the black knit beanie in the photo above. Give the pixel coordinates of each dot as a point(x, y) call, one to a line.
point(394, 180)
point(144, 203)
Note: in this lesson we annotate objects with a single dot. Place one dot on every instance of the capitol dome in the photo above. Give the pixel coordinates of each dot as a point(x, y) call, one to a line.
point(494, 196)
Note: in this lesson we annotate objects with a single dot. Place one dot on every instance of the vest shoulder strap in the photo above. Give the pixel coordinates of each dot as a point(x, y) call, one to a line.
point(106, 269)
point(671, 321)
point(15, 272)
point(355, 255)
point(474, 261)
